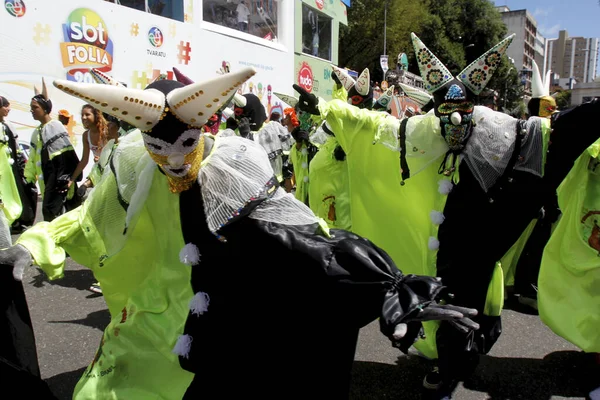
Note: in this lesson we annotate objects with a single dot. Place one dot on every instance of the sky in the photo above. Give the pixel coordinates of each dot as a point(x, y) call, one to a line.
point(577, 17)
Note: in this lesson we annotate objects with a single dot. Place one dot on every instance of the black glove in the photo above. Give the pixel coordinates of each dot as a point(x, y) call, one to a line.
point(244, 127)
point(307, 102)
point(17, 257)
point(81, 191)
point(336, 79)
point(415, 300)
point(231, 123)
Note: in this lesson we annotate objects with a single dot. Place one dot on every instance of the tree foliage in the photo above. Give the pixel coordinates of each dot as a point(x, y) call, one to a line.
point(563, 99)
point(456, 31)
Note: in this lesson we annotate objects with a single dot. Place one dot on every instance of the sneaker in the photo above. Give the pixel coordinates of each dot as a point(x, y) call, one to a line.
point(96, 288)
point(433, 380)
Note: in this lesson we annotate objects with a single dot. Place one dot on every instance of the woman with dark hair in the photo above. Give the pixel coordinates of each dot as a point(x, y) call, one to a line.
point(52, 158)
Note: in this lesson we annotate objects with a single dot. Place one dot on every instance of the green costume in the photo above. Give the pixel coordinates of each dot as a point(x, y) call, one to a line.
point(328, 193)
point(9, 192)
point(93, 236)
point(569, 277)
point(299, 159)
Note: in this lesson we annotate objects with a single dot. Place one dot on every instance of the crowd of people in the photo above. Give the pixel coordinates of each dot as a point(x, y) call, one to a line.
point(419, 221)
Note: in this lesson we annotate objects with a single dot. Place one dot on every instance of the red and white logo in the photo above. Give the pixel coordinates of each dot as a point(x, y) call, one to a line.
point(305, 77)
point(320, 4)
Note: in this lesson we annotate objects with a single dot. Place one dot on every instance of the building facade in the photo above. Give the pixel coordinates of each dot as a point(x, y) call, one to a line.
point(527, 45)
point(573, 57)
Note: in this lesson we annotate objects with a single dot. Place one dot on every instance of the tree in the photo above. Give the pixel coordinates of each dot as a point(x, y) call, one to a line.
point(361, 42)
point(563, 99)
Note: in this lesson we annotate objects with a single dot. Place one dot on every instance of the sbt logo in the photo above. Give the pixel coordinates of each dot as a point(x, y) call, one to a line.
point(86, 45)
point(88, 36)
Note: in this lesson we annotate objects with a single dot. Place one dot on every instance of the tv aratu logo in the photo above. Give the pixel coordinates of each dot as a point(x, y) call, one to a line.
point(305, 77)
point(16, 8)
point(320, 4)
point(155, 37)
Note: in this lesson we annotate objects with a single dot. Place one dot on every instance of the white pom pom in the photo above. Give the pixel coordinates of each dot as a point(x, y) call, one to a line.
point(445, 186)
point(18, 271)
point(40, 177)
point(304, 151)
point(199, 303)
point(436, 217)
point(11, 161)
point(434, 244)
point(190, 254)
point(38, 163)
point(306, 178)
point(183, 346)
point(304, 165)
point(7, 150)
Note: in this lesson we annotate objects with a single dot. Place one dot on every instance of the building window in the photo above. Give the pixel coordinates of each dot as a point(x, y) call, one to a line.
point(172, 9)
point(316, 33)
point(256, 17)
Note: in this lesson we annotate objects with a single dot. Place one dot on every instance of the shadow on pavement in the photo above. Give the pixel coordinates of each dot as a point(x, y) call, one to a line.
point(562, 373)
point(62, 385)
point(97, 319)
point(569, 374)
point(76, 279)
point(372, 380)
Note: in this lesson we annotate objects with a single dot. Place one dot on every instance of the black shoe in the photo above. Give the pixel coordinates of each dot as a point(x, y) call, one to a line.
point(433, 380)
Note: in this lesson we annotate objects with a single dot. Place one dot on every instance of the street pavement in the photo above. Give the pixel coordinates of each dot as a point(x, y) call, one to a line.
point(528, 362)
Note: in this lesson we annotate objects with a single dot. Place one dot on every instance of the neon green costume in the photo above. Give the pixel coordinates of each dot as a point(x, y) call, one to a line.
point(299, 159)
point(569, 277)
point(142, 318)
point(9, 193)
point(399, 216)
point(328, 192)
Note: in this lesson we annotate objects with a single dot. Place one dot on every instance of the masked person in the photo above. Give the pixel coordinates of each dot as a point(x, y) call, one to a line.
point(301, 155)
point(18, 355)
point(439, 224)
point(19, 207)
point(52, 159)
point(329, 194)
point(524, 260)
point(251, 115)
point(183, 233)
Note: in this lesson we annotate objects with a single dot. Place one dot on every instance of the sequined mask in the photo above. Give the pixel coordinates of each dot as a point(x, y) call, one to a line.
point(547, 106)
point(180, 161)
point(455, 120)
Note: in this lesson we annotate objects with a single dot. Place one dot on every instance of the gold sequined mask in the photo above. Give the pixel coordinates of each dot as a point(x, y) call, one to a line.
point(547, 106)
point(181, 160)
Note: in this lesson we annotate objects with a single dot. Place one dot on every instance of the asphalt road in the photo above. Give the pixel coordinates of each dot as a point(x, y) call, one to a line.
point(528, 362)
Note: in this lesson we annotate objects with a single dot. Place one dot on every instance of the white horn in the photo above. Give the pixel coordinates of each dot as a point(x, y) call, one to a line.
point(141, 108)
point(195, 103)
point(363, 83)
point(44, 89)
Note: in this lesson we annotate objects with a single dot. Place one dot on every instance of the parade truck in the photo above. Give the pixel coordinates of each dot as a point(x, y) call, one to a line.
point(135, 41)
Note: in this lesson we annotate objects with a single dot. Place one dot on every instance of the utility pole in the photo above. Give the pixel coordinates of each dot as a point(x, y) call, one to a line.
point(385, 27)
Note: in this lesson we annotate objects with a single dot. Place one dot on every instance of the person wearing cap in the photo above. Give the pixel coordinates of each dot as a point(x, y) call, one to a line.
point(52, 159)
point(185, 232)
